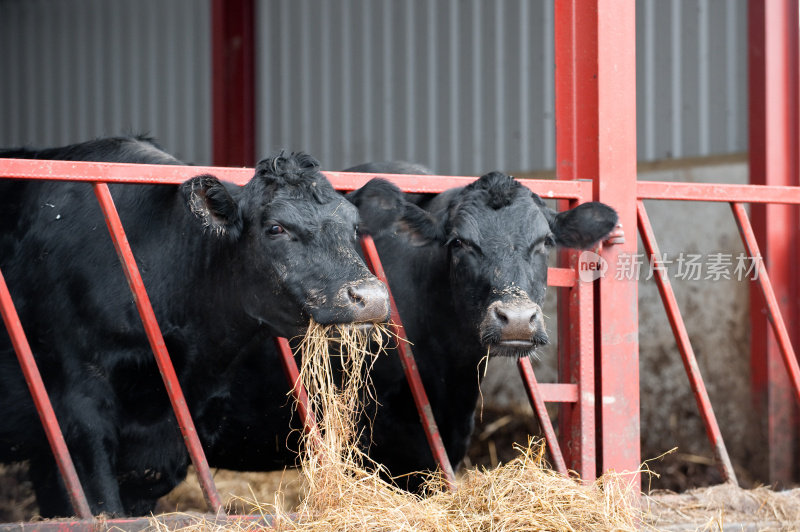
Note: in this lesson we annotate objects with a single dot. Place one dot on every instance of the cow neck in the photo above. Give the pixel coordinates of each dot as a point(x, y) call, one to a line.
point(441, 329)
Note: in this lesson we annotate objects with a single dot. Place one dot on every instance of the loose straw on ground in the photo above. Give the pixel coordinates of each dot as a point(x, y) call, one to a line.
point(346, 491)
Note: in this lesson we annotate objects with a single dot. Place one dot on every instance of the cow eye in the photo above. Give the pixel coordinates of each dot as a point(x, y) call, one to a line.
point(276, 229)
point(459, 243)
point(549, 241)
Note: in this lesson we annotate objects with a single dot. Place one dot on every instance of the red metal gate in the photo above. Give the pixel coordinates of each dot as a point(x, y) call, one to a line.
point(595, 113)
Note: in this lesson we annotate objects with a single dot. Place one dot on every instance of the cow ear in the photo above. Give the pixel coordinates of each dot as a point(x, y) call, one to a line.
point(380, 205)
point(583, 226)
point(383, 207)
point(211, 202)
point(420, 226)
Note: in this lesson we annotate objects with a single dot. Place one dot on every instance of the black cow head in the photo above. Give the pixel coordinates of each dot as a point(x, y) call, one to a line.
point(292, 241)
point(497, 236)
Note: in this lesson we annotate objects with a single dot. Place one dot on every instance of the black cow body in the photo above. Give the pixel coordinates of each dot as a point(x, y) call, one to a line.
point(226, 268)
point(468, 270)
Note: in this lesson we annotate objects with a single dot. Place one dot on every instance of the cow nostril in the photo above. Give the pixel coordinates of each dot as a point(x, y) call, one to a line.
point(502, 317)
point(355, 296)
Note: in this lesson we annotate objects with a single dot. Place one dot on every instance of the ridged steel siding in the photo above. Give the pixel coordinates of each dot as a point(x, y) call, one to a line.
point(691, 77)
point(71, 70)
point(467, 86)
point(459, 86)
point(463, 86)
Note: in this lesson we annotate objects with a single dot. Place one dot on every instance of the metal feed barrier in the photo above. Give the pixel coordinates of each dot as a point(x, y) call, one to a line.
point(735, 195)
point(595, 91)
point(577, 432)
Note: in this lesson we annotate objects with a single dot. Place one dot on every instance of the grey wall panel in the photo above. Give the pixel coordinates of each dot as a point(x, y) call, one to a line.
point(691, 77)
point(467, 85)
point(463, 86)
point(78, 69)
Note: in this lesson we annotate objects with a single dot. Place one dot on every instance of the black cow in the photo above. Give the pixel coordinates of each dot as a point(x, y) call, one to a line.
point(226, 268)
point(468, 269)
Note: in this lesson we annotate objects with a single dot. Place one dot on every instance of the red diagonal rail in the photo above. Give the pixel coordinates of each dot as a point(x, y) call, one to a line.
point(299, 393)
point(156, 340)
point(684, 346)
point(773, 310)
point(42, 402)
point(537, 400)
point(410, 369)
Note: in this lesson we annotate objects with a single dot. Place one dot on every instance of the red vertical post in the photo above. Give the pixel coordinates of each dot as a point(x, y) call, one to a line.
point(233, 82)
point(575, 327)
point(773, 108)
point(596, 139)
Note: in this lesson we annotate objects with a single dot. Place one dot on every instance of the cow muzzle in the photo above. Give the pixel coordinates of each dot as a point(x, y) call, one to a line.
point(513, 328)
point(368, 301)
point(361, 302)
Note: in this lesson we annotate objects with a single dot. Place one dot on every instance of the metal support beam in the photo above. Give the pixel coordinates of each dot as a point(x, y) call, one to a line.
point(233, 82)
point(773, 105)
point(596, 139)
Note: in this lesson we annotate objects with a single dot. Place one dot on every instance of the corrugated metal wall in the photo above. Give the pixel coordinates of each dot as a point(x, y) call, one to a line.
point(467, 85)
point(71, 70)
point(460, 85)
point(691, 77)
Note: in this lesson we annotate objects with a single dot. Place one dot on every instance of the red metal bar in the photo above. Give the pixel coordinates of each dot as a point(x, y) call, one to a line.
point(717, 192)
point(537, 400)
point(156, 340)
point(596, 139)
point(575, 314)
point(773, 146)
point(42, 402)
point(768, 292)
point(410, 369)
point(580, 429)
point(576, 365)
point(155, 174)
point(233, 82)
point(559, 392)
point(298, 390)
point(685, 347)
point(561, 277)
